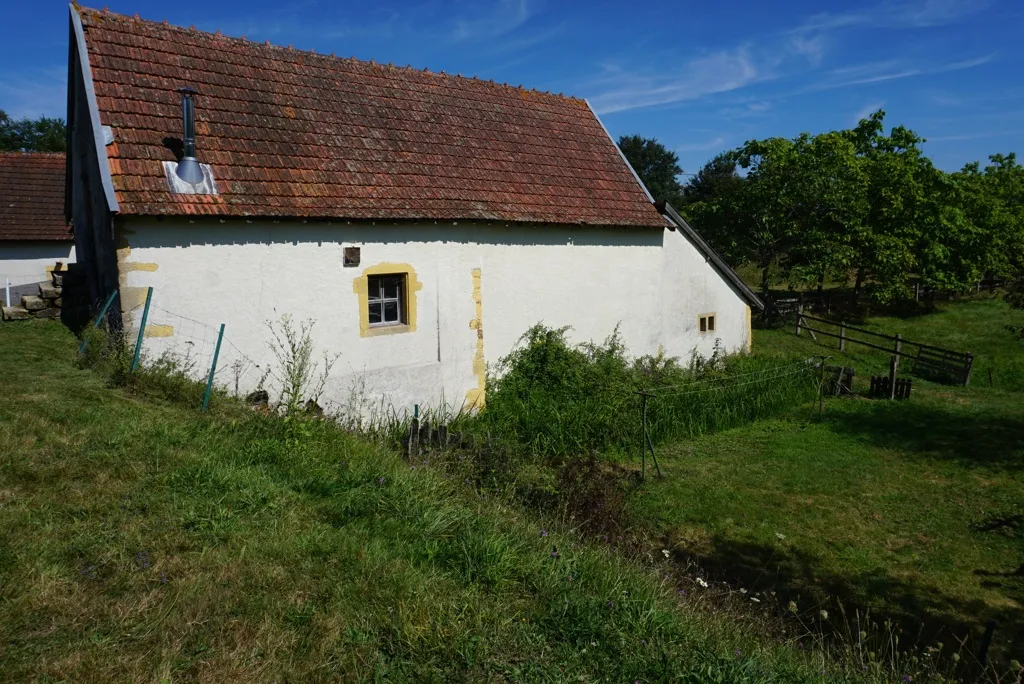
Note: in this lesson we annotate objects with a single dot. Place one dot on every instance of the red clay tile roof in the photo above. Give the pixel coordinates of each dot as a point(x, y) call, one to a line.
point(292, 133)
point(32, 196)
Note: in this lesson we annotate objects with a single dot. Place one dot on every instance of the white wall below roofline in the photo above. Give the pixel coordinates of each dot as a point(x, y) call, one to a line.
point(479, 288)
point(26, 261)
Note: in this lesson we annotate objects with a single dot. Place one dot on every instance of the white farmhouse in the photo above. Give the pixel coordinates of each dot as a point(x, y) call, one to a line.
point(34, 236)
point(424, 220)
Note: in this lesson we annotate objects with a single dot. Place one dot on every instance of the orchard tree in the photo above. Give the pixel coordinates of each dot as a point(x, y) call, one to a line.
point(764, 217)
point(831, 200)
point(657, 166)
point(32, 135)
point(886, 243)
point(995, 204)
point(711, 201)
point(718, 178)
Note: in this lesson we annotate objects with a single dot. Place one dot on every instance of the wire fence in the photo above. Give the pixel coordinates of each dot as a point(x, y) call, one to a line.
point(712, 383)
point(196, 348)
point(170, 341)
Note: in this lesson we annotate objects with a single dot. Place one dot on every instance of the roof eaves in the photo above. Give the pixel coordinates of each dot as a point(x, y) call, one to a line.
point(710, 254)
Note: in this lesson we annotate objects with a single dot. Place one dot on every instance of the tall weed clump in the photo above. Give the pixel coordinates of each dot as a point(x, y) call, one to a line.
point(551, 398)
point(170, 376)
point(548, 397)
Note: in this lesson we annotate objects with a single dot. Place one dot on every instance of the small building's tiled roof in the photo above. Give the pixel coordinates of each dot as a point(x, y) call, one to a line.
point(293, 133)
point(32, 196)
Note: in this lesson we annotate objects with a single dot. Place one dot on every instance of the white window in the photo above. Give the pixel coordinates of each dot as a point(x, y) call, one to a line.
point(707, 322)
point(386, 299)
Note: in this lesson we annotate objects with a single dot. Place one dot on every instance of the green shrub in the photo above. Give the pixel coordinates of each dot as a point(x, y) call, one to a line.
point(550, 398)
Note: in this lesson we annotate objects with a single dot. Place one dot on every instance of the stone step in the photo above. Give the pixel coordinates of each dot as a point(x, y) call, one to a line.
point(33, 303)
point(15, 313)
point(48, 291)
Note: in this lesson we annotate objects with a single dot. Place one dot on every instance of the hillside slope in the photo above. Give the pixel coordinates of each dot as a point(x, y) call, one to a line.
point(143, 541)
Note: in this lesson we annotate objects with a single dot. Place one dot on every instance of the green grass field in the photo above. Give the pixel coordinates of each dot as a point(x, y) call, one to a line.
point(143, 541)
point(910, 508)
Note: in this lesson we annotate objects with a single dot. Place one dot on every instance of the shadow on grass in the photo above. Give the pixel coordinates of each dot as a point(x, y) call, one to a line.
point(925, 615)
point(990, 441)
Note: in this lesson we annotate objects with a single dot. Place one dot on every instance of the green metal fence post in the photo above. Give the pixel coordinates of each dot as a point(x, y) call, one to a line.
point(99, 318)
point(142, 330)
point(213, 369)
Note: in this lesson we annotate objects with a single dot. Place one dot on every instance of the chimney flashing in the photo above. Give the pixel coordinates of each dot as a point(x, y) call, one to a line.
point(206, 186)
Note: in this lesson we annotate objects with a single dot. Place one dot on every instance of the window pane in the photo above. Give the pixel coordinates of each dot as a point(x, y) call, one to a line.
point(373, 288)
point(703, 324)
point(375, 312)
point(391, 311)
point(711, 323)
point(392, 286)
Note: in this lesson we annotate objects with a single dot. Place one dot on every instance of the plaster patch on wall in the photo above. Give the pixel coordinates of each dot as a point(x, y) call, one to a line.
point(132, 298)
point(750, 334)
point(476, 396)
point(361, 286)
point(158, 331)
point(138, 266)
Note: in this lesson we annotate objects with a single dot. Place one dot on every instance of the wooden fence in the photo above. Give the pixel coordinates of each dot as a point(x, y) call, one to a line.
point(844, 299)
point(882, 387)
point(927, 357)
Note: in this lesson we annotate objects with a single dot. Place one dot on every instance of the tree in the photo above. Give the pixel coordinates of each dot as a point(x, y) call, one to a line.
point(657, 166)
point(886, 244)
point(715, 179)
point(831, 206)
point(994, 202)
point(763, 217)
point(710, 201)
point(32, 135)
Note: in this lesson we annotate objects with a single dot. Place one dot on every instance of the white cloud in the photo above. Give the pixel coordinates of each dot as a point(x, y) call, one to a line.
point(924, 13)
point(976, 136)
point(714, 144)
point(811, 47)
point(43, 92)
point(745, 109)
point(948, 100)
point(718, 72)
point(502, 17)
point(878, 72)
point(867, 110)
point(896, 14)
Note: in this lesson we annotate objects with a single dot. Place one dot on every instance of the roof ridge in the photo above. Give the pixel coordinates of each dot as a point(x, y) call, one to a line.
point(107, 14)
point(30, 153)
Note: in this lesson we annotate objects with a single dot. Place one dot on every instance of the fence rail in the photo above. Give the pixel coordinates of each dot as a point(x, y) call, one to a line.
point(824, 302)
point(947, 361)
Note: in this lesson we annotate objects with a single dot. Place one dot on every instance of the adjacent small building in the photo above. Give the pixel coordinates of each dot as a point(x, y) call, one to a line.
point(34, 236)
point(424, 220)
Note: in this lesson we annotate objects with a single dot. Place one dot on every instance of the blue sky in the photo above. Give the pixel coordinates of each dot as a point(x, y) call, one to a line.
point(700, 77)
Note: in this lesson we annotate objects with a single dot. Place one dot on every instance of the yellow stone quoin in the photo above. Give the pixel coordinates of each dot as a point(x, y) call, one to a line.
point(361, 286)
point(154, 330)
point(750, 331)
point(476, 397)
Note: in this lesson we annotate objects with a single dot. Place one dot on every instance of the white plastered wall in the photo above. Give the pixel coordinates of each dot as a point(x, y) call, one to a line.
point(652, 283)
point(23, 262)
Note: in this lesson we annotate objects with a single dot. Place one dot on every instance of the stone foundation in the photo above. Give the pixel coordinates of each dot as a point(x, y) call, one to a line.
point(44, 305)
